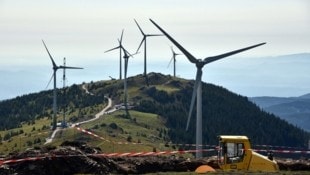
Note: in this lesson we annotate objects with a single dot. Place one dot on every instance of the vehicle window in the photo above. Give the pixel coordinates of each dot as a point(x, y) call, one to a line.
point(235, 152)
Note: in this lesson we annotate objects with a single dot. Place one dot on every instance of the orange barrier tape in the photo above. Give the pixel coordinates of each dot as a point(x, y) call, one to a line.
point(135, 154)
point(283, 151)
point(272, 146)
point(128, 154)
point(102, 138)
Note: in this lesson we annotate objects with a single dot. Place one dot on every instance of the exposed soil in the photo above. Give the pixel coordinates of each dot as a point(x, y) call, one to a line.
point(77, 157)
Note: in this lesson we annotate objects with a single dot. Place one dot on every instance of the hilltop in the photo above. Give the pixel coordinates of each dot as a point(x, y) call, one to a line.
point(157, 119)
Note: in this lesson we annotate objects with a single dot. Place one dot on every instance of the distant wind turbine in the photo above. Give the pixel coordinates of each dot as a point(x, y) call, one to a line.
point(55, 68)
point(144, 40)
point(126, 57)
point(174, 60)
point(63, 124)
point(120, 54)
point(197, 86)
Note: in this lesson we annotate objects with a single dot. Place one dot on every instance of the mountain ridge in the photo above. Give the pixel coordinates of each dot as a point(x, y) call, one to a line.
point(167, 97)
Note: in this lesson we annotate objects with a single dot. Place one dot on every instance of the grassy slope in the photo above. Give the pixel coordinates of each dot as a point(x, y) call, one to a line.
point(141, 127)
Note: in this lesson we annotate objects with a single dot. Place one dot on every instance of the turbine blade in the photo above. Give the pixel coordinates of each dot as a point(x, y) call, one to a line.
point(68, 67)
point(49, 82)
point(122, 36)
point(214, 58)
point(139, 27)
point(141, 44)
point(154, 35)
point(198, 79)
point(131, 55)
point(112, 49)
point(174, 52)
point(171, 48)
point(170, 62)
point(126, 53)
point(53, 62)
point(189, 56)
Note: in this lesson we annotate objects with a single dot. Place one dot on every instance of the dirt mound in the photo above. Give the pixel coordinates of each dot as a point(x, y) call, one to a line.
point(79, 158)
point(294, 165)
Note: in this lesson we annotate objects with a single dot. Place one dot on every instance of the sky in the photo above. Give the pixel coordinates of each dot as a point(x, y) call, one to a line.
point(82, 30)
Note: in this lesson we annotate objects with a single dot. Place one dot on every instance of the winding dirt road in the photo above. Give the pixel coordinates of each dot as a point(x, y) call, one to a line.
point(102, 112)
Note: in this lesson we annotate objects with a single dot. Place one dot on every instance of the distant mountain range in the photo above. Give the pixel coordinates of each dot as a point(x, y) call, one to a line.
point(295, 110)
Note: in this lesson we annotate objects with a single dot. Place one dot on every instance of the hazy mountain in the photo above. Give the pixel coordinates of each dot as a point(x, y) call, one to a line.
point(284, 75)
point(295, 110)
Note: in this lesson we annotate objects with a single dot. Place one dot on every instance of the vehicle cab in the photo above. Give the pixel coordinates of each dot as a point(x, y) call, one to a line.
point(235, 153)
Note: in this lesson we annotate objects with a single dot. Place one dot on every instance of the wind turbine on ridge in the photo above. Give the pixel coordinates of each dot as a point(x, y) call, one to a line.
point(197, 86)
point(120, 54)
point(144, 40)
point(126, 57)
point(174, 60)
point(55, 68)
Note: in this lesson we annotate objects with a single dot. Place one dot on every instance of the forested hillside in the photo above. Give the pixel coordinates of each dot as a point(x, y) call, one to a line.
point(223, 111)
point(28, 108)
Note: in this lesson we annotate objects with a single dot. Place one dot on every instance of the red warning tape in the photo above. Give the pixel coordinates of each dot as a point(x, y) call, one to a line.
point(102, 138)
point(271, 146)
point(192, 145)
point(283, 151)
point(126, 143)
point(135, 154)
point(132, 154)
point(128, 154)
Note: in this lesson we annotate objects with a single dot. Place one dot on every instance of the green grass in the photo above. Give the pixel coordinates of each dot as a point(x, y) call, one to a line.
point(168, 89)
point(143, 128)
point(138, 129)
point(31, 133)
point(26, 139)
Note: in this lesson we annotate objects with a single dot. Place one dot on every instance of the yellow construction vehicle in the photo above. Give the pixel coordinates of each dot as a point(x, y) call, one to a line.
point(235, 153)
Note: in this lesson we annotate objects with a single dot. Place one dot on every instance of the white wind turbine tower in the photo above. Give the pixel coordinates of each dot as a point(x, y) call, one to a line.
point(197, 86)
point(174, 60)
point(63, 124)
point(126, 57)
point(120, 54)
point(55, 68)
point(144, 40)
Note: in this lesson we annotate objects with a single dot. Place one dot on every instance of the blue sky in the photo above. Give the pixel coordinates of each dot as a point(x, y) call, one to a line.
point(82, 30)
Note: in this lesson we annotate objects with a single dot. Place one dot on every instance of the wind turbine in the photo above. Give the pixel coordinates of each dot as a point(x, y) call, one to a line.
point(55, 68)
point(120, 54)
point(174, 60)
point(144, 40)
point(197, 86)
point(126, 57)
point(63, 124)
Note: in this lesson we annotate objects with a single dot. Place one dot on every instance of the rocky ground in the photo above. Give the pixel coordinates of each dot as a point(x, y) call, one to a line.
point(78, 158)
